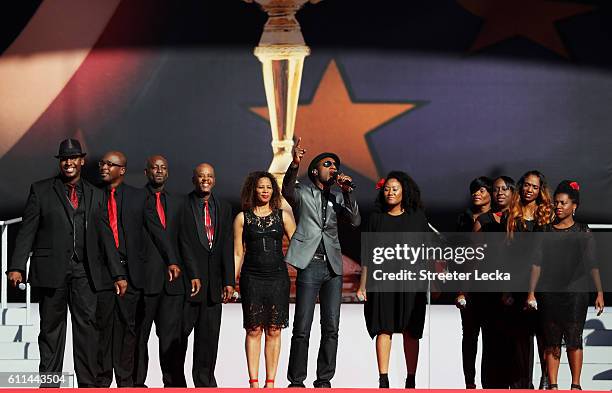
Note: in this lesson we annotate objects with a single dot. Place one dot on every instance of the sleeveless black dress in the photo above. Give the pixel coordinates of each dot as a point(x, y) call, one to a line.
point(264, 280)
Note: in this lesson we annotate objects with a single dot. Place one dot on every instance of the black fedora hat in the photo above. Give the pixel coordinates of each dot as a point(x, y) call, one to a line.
point(319, 157)
point(70, 148)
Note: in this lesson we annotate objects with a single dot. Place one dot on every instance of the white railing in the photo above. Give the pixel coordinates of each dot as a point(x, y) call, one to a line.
point(4, 290)
point(600, 226)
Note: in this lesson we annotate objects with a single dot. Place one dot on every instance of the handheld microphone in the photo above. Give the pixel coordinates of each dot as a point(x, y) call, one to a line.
point(344, 183)
point(21, 286)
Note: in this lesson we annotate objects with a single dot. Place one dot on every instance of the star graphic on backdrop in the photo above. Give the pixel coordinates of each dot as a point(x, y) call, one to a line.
point(333, 121)
point(531, 19)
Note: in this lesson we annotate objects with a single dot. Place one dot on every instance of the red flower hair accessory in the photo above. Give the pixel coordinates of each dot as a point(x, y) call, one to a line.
point(380, 183)
point(575, 186)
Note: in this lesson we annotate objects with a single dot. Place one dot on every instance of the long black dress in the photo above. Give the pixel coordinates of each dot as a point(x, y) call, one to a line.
point(396, 312)
point(565, 263)
point(497, 334)
point(264, 280)
point(522, 327)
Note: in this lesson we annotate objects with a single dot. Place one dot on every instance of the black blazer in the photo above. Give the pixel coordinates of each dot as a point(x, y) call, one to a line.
point(136, 222)
point(162, 245)
point(47, 232)
point(214, 267)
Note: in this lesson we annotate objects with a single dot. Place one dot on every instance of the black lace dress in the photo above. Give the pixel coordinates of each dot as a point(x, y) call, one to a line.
point(563, 287)
point(264, 280)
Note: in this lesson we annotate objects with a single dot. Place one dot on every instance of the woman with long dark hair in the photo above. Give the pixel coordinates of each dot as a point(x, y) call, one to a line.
point(264, 280)
point(531, 206)
point(559, 267)
point(399, 210)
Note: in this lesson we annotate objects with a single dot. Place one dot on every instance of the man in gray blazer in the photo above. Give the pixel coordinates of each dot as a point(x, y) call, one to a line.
point(315, 252)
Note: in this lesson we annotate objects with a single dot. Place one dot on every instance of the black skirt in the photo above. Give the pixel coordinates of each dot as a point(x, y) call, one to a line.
point(395, 312)
point(265, 301)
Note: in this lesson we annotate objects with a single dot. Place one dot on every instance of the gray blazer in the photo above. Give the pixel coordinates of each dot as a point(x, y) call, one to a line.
point(305, 200)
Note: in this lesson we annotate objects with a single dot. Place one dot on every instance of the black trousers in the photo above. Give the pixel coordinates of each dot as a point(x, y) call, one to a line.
point(167, 313)
point(78, 295)
point(317, 279)
point(117, 344)
point(497, 345)
point(472, 321)
point(205, 319)
point(521, 327)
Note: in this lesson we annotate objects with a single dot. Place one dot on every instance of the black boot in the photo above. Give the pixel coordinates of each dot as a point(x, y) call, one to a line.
point(383, 381)
point(410, 381)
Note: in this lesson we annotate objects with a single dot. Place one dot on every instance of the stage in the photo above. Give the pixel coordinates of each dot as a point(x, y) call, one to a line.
point(439, 359)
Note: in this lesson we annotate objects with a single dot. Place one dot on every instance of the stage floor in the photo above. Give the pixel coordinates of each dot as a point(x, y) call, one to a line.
point(439, 359)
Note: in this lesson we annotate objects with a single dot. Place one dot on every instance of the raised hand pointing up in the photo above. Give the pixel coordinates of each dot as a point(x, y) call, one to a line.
point(298, 152)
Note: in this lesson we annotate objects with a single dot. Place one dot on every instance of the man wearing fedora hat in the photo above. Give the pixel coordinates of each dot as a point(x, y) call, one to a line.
point(73, 256)
point(315, 252)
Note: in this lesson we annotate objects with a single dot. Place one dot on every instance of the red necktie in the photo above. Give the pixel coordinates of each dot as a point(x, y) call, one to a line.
point(210, 230)
point(112, 216)
point(74, 198)
point(160, 209)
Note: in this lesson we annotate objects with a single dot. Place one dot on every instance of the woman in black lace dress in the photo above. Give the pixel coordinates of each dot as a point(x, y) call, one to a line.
point(399, 202)
point(560, 272)
point(264, 280)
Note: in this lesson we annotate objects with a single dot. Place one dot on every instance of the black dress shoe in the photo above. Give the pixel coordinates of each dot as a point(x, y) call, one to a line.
point(322, 385)
point(383, 382)
point(296, 385)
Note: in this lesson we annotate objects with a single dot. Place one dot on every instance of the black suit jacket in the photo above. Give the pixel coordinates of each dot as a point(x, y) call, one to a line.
point(162, 245)
point(47, 232)
point(214, 267)
point(136, 223)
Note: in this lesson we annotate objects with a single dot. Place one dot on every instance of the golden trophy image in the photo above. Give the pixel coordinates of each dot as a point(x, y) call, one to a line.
point(281, 51)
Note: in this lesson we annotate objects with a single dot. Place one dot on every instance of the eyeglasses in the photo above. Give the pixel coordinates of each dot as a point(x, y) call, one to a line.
point(110, 164)
point(328, 163)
